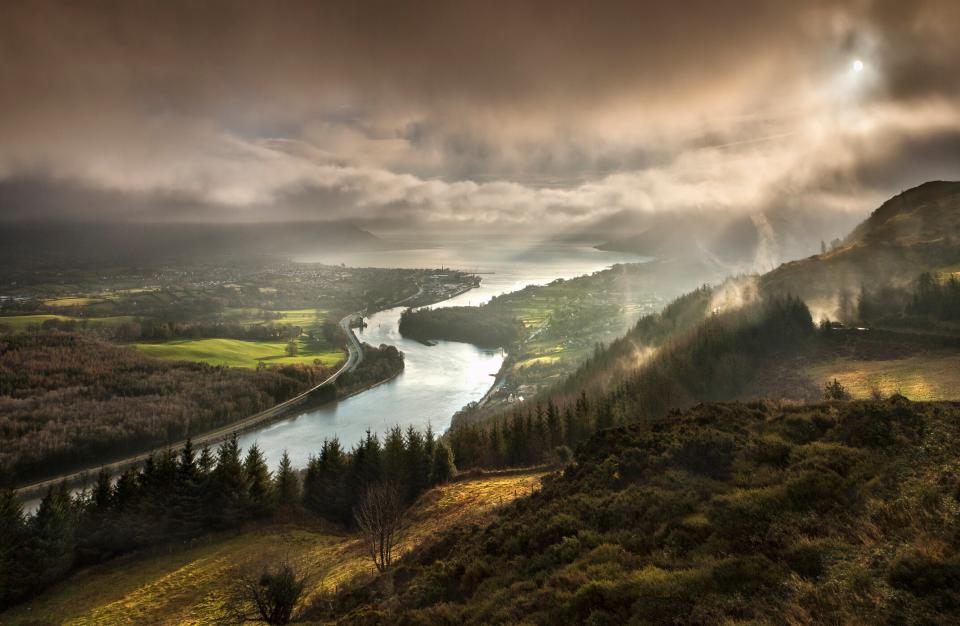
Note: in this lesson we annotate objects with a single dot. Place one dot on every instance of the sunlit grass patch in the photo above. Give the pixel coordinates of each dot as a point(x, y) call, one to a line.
point(72, 301)
point(237, 352)
point(925, 377)
point(540, 360)
point(306, 318)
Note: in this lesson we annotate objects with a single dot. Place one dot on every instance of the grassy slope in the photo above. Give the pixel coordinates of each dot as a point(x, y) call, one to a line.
point(931, 376)
point(187, 586)
point(843, 513)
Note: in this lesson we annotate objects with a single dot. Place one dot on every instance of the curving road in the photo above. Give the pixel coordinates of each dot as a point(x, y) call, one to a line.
point(354, 358)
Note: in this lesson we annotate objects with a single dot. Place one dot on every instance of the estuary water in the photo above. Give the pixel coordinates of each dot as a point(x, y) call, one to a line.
point(437, 380)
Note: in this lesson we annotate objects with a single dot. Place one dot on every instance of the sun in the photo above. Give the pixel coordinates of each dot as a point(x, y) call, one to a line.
point(857, 65)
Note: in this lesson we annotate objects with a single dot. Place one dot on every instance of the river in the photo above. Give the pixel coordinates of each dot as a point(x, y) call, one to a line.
point(437, 380)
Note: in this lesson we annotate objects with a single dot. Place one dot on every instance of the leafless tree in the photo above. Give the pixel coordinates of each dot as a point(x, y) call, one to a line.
point(380, 518)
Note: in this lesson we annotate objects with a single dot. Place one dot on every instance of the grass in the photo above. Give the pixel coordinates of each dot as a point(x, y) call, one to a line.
point(72, 301)
point(306, 318)
point(189, 585)
point(237, 352)
point(933, 376)
point(22, 322)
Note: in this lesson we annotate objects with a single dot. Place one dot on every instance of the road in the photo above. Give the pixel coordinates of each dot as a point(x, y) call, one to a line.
point(354, 350)
point(354, 358)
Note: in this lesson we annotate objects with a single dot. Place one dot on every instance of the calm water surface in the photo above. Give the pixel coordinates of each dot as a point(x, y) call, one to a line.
point(437, 380)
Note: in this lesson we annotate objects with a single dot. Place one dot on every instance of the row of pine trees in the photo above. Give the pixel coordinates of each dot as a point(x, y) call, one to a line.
point(178, 495)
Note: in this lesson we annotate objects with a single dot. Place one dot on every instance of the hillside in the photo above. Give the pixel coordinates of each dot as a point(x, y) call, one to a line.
point(914, 232)
point(735, 514)
point(189, 585)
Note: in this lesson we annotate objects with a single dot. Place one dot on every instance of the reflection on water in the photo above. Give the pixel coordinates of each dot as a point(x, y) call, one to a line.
point(437, 380)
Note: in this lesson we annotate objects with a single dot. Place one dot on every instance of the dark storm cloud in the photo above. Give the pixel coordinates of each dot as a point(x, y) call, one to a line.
point(493, 112)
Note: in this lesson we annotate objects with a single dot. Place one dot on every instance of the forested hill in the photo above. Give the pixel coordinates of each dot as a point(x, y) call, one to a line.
point(896, 266)
point(914, 232)
point(733, 513)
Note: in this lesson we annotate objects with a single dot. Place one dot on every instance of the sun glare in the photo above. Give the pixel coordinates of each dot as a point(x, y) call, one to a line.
point(857, 65)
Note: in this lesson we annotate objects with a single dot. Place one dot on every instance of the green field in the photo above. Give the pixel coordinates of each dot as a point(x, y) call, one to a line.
point(238, 353)
point(934, 376)
point(305, 318)
point(22, 322)
point(72, 301)
point(188, 585)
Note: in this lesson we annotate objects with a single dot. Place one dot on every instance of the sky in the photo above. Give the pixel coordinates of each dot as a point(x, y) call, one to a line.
point(491, 114)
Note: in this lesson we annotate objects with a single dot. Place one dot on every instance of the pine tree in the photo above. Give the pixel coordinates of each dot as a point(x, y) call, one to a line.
point(187, 466)
point(417, 465)
point(205, 462)
point(228, 486)
point(442, 468)
point(259, 486)
point(554, 430)
point(394, 466)
point(102, 491)
point(334, 482)
point(604, 415)
point(12, 538)
point(287, 484)
point(125, 491)
point(571, 432)
point(313, 499)
point(50, 548)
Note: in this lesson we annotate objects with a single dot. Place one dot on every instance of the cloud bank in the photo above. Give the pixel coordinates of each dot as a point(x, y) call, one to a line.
point(484, 114)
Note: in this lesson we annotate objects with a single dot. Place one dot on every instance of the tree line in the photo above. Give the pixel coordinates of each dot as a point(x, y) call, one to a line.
point(178, 495)
point(150, 329)
point(481, 326)
point(927, 298)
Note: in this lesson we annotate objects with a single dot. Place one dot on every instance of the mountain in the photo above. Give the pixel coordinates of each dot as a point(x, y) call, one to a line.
point(914, 232)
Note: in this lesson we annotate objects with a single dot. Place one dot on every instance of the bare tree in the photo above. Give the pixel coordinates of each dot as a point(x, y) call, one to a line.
point(380, 518)
point(273, 596)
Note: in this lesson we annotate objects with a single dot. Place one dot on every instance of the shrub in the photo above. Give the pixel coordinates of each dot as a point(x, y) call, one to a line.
point(806, 559)
point(923, 574)
point(742, 518)
point(706, 452)
point(746, 575)
point(816, 490)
